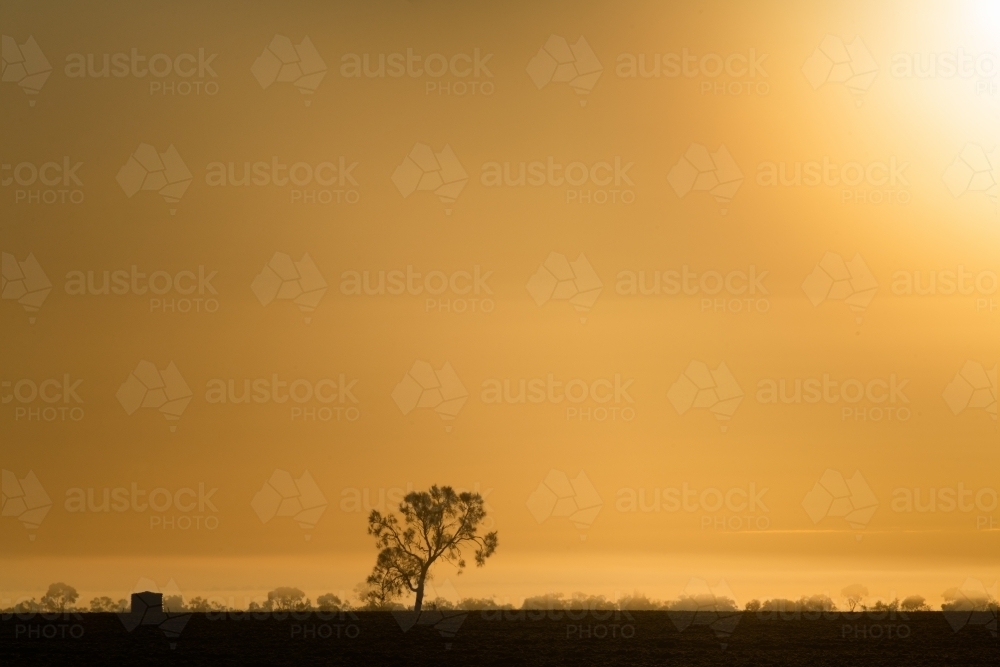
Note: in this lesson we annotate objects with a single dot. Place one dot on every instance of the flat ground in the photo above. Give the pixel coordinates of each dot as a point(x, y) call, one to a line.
point(487, 638)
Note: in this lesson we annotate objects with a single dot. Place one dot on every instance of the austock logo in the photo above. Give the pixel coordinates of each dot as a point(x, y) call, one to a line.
point(833, 61)
point(560, 62)
point(327, 182)
point(458, 292)
point(335, 397)
point(25, 500)
point(949, 282)
point(182, 75)
point(558, 279)
point(874, 182)
point(27, 393)
point(945, 65)
point(284, 62)
point(49, 183)
point(730, 75)
point(974, 388)
point(981, 67)
point(164, 173)
point(833, 279)
point(974, 170)
point(24, 282)
point(850, 499)
point(184, 291)
point(600, 400)
point(727, 292)
point(948, 499)
point(559, 496)
point(733, 509)
point(185, 508)
point(436, 66)
point(702, 387)
point(283, 496)
point(599, 182)
point(439, 390)
point(872, 400)
point(424, 170)
point(700, 170)
point(284, 279)
point(25, 65)
point(356, 500)
point(147, 387)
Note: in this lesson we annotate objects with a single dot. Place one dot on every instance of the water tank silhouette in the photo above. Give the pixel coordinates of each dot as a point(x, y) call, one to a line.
point(147, 609)
point(145, 602)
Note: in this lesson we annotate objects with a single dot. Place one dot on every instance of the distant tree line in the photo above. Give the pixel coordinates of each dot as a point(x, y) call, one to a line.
point(62, 598)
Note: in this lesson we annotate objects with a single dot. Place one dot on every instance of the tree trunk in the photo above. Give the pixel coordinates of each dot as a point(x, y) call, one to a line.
point(420, 592)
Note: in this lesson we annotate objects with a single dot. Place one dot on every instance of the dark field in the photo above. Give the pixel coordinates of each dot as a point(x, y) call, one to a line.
point(486, 638)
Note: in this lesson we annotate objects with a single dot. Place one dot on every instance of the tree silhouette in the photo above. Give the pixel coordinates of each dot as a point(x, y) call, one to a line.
point(376, 593)
point(173, 603)
point(436, 525)
point(27, 606)
point(59, 596)
point(104, 604)
point(331, 602)
point(286, 598)
point(914, 603)
point(202, 605)
point(854, 594)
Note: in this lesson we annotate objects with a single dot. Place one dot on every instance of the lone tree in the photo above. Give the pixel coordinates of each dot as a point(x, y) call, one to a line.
point(436, 525)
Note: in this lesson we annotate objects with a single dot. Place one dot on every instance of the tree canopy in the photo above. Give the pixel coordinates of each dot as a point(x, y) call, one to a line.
point(436, 525)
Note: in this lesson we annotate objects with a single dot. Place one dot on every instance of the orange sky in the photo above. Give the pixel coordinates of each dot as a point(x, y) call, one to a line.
point(669, 390)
